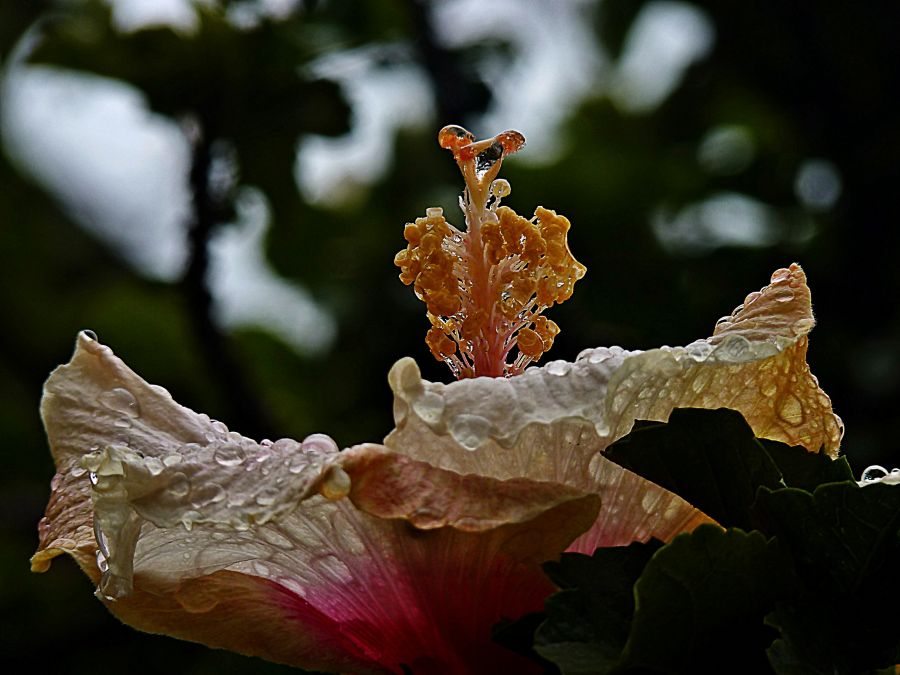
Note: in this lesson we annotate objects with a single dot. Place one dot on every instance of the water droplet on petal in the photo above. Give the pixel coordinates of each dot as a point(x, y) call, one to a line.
point(267, 497)
point(218, 427)
point(734, 348)
point(336, 484)
point(179, 486)
point(319, 444)
point(229, 455)
point(558, 368)
point(211, 493)
point(699, 351)
point(154, 465)
point(470, 431)
point(790, 410)
point(121, 400)
point(297, 463)
point(781, 275)
point(769, 387)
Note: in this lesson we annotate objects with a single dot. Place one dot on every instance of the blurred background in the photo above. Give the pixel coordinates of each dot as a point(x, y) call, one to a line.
point(218, 189)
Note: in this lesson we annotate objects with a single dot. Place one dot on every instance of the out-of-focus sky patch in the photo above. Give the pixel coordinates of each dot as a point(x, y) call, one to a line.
point(818, 184)
point(556, 64)
point(120, 169)
point(384, 100)
point(122, 172)
point(132, 15)
point(726, 219)
point(248, 291)
point(665, 39)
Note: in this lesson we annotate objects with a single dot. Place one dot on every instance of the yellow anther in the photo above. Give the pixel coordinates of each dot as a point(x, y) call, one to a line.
point(485, 289)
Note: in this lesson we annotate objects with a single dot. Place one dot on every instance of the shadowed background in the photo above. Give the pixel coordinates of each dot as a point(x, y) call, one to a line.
point(218, 189)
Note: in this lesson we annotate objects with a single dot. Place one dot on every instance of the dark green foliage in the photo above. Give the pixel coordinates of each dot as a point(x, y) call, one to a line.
point(810, 589)
point(712, 460)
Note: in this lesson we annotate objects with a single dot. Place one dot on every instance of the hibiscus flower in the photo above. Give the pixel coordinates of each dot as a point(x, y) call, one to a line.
point(400, 557)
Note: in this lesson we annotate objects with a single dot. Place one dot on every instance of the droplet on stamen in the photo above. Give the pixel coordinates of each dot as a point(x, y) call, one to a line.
point(453, 137)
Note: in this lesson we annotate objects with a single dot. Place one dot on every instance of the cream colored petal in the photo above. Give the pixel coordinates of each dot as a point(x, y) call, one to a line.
point(194, 531)
point(126, 447)
point(552, 423)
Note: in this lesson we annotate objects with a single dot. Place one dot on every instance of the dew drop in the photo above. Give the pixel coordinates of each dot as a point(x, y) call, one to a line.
point(336, 484)
point(511, 141)
point(179, 486)
point(267, 497)
point(470, 431)
point(218, 427)
point(453, 137)
point(699, 351)
point(430, 407)
point(297, 463)
point(734, 348)
point(172, 459)
point(211, 493)
point(873, 473)
point(501, 188)
point(319, 444)
point(790, 410)
point(558, 368)
point(229, 455)
point(768, 387)
point(154, 465)
point(121, 400)
point(781, 275)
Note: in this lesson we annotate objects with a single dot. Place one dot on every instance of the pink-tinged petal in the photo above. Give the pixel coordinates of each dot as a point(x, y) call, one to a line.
point(198, 532)
point(553, 423)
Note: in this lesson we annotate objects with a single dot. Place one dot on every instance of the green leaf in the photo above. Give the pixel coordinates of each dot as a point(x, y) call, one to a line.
point(845, 542)
point(587, 622)
point(806, 470)
point(709, 457)
point(701, 601)
point(840, 534)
